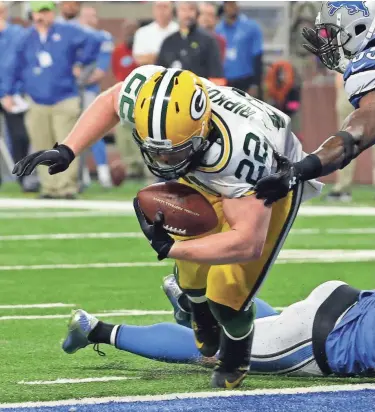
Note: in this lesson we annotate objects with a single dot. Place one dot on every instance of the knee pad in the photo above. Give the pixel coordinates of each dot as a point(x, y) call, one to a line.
point(236, 323)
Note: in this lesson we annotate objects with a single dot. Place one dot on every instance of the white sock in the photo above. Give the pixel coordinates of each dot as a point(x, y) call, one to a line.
point(104, 175)
point(86, 179)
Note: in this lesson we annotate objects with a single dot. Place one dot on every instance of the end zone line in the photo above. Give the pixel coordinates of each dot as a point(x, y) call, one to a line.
point(64, 381)
point(197, 395)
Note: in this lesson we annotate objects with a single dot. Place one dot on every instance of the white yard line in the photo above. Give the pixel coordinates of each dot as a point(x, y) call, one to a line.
point(286, 256)
point(60, 215)
point(107, 314)
point(39, 306)
point(67, 236)
point(127, 207)
point(197, 395)
point(85, 266)
point(120, 235)
point(64, 381)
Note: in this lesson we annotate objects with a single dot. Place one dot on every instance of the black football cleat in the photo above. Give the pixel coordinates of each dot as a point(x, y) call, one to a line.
point(234, 362)
point(206, 329)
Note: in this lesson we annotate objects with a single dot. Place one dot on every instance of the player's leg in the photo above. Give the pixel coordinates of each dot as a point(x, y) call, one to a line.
point(192, 279)
point(166, 342)
point(181, 305)
point(231, 288)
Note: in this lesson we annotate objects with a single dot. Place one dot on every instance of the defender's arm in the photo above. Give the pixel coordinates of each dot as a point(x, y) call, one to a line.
point(248, 219)
point(357, 134)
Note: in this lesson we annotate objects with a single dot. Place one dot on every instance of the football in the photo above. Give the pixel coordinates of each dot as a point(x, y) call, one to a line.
point(186, 211)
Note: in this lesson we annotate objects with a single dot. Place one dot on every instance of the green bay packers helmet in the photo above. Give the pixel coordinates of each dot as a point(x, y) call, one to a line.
point(172, 117)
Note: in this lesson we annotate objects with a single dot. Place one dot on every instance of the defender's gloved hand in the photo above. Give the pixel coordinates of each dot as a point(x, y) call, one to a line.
point(158, 237)
point(58, 159)
point(277, 185)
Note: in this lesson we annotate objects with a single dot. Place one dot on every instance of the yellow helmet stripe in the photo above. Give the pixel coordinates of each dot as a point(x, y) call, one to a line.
point(159, 97)
point(152, 103)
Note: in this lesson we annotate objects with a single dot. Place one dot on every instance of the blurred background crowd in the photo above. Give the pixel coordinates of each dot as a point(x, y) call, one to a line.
point(56, 57)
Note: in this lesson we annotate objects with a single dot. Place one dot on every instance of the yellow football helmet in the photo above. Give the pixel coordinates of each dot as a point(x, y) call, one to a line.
point(172, 117)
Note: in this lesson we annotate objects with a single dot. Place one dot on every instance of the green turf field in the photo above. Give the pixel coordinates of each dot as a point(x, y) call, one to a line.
point(30, 348)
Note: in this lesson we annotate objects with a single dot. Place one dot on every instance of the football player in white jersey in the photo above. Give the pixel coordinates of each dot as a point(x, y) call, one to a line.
point(329, 332)
point(344, 40)
point(220, 141)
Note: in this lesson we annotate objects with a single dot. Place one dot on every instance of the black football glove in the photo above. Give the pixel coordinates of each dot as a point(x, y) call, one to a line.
point(58, 159)
point(158, 237)
point(277, 185)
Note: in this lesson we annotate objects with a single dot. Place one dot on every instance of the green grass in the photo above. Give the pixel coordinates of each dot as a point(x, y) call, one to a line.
point(30, 349)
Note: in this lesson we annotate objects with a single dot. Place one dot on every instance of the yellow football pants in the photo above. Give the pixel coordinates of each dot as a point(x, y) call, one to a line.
point(236, 284)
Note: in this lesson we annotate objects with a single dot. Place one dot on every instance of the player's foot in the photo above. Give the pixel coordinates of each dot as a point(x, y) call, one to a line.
point(80, 325)
point(178, 300)
point(206, 329)
point(344, 197)
point(234, 362)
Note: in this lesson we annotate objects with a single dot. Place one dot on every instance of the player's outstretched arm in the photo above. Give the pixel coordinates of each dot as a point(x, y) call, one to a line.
point(99, 118)
point(96, 121)
point(356, 135)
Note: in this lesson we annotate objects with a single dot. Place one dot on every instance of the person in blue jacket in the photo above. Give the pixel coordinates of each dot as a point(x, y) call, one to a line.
point(49, 58)
point(10, 34)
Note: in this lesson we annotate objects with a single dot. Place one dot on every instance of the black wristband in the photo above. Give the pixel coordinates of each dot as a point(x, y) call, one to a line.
point(308, 168)
point(349, 146)
point(68, 151)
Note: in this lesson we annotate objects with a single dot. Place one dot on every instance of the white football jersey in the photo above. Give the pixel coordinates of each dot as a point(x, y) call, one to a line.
point(249, 131)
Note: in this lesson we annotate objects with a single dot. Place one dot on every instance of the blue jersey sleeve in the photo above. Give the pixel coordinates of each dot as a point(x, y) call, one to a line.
point(359, 76)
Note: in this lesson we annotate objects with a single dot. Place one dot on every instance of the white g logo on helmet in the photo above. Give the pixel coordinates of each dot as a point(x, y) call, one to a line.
point(198, 104)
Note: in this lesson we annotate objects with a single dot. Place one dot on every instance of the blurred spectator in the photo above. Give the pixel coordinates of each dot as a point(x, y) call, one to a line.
point(88, 18)
point(123, 64)
point(44, 62)
point(208, 19)
point(69, 11)
point(341, 191)
point(243, 60)
point(191, 48)
point(10, 34)
point(148, 39)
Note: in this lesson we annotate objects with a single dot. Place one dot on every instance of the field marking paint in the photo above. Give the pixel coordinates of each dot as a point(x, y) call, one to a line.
point(134, 235)
point(106, 314)
point(39, 306)
point(286, 256)
point(127, 207)
point(197, 395)
point(64, 381)
point(84, 266)
point(347, 231)
point(66, 236)
point(107, 205)
point(61, 215)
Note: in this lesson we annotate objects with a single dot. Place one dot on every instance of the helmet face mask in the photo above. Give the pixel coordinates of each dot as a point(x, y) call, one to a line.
point(333, 49)
point(168, 162)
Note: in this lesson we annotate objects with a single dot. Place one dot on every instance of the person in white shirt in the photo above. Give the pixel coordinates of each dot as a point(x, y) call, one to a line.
point(148, 39)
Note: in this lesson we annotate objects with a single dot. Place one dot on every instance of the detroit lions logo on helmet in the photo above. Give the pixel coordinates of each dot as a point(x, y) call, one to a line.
point(198, 104)
point(353, 7)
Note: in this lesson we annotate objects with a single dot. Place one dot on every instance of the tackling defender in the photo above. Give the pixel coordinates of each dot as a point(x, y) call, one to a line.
point(330, 332)
point(220, 141)
point(348, 44)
